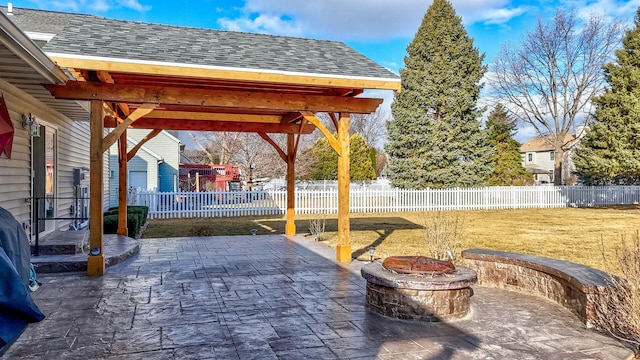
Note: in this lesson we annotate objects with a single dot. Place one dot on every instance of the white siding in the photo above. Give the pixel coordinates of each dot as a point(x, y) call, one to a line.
point(73, 152)
point(143, 161)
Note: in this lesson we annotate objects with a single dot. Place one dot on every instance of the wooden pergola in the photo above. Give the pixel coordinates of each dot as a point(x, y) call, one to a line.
point(167, 97)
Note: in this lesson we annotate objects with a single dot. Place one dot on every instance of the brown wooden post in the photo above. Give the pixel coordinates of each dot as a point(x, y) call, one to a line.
point(291, 200)
point(95, 262)
point(122, 184)
point(343, 250)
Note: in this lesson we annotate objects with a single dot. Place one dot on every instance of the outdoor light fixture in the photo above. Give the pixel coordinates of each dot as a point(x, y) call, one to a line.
point(372, 251)
point(29, 122)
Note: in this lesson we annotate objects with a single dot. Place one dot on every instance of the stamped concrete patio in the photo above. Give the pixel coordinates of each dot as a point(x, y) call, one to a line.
point(267, 297)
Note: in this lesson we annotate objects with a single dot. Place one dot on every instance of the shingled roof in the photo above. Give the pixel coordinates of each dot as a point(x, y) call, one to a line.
point(41, 21)
point(115, 39)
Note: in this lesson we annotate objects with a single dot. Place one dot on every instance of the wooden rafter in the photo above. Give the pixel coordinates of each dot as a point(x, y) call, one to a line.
point(167, 124)
point(226, 74)
point(295, 148)
point(268, 139)
point(291, 117)
point(196, 115)
point(113, 136)
point(75, 90)
point(334, 120)
point(140, 143)
point(310, 117)
point(106, 77)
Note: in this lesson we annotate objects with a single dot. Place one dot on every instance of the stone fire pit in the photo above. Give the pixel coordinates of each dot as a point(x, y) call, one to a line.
point(418, 288)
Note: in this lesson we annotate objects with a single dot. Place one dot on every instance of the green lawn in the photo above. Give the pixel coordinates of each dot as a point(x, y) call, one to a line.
point(578, 235)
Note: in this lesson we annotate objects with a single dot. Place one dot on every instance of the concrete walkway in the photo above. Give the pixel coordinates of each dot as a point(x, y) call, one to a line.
point(267, 297)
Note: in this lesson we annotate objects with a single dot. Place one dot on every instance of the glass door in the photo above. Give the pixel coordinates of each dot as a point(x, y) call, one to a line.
point(45, 178)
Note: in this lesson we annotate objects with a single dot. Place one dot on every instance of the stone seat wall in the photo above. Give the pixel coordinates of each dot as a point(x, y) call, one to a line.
point(571, 285)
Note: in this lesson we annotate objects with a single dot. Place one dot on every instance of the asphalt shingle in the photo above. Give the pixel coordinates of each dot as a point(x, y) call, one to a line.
point(101, 37)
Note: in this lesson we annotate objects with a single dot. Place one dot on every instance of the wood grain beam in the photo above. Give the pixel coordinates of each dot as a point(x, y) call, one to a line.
point(268, 139)
point(310, 117)
point(167, 124)
point(111, 138)
point(226, 74)
point(291, 117)
point(76, 90)
point(195, 115)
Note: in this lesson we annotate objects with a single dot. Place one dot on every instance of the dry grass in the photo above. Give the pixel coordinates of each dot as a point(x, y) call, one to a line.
point(567, 233)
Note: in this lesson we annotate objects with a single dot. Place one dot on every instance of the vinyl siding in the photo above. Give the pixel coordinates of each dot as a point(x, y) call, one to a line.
point(72, 152)
point(168, 148)
point(143, 161)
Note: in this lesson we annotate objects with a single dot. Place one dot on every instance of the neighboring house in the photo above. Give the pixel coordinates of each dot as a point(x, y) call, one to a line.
point(50, 154)
point(154, 167)
point(538, 158)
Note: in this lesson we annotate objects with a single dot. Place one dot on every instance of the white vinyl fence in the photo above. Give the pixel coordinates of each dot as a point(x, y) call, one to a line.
point(163, 205)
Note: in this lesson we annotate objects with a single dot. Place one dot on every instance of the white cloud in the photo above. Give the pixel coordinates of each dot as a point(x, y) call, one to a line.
point(357, 19)
point(609, 9)
point(86, 6)
point(264, 23)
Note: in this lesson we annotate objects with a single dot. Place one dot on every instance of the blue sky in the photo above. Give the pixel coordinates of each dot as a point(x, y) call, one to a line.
point(380, 29)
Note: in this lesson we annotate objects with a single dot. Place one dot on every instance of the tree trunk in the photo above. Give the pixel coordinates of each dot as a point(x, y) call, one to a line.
point(557, 165)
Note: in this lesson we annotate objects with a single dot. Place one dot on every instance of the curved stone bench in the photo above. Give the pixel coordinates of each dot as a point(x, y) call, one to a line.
point(571, 285)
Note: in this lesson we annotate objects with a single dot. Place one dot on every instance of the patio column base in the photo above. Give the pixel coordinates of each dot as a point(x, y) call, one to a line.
point(343, 253)
point(290, 229)
point(95, 265)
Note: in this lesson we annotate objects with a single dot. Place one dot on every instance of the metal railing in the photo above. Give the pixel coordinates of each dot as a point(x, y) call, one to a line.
point(36, 201)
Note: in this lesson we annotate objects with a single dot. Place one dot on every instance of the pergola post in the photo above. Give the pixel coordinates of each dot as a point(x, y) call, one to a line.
point(95, 262)
point(122, 184)
point(343, 250)
point(290, 228)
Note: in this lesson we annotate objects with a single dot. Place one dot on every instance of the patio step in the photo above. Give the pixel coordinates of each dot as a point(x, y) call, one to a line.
point(63, 243)
point(117, 248)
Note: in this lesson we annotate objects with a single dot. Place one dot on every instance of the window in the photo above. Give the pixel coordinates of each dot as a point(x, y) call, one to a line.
point(530, 157)
point(552, 155)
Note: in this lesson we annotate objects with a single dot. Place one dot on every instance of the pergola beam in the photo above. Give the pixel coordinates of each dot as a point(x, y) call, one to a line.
point(78, 90)
point(113, 136)
point(206, 116)
point(167, 124)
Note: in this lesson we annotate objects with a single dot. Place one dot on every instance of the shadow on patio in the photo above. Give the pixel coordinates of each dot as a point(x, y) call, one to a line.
point(262, 297)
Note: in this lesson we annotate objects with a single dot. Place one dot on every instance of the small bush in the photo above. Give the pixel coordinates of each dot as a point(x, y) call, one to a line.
point(316, 227)
point(443, 234)
point(618, 310)
point(202, 230)
point(110, 224)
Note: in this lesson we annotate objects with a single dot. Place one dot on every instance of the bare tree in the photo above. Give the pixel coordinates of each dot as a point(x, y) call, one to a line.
point(220, 147)
point(548, 82)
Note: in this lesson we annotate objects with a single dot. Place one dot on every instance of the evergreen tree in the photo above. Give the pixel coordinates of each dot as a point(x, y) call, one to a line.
point(435, 138)
point(609, 153)
point(325, 160)
point(506, 159)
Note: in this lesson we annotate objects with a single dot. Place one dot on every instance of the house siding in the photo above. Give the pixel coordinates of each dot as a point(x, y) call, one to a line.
point(143, 161)
point(168, 148)
point(72, 152)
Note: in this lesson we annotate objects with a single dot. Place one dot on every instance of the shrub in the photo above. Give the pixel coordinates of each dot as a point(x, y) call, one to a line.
point(618, 309)
point(443, 234)
point(110, 223)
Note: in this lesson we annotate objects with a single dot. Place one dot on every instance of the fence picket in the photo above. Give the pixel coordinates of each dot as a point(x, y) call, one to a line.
point(166, 205)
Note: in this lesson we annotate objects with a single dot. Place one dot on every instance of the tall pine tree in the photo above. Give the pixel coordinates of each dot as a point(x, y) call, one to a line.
point(435, 138)
point(610, 151)
point(506, 159)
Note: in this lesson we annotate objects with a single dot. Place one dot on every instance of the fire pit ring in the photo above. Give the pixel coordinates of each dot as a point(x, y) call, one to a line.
point(425, 296)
